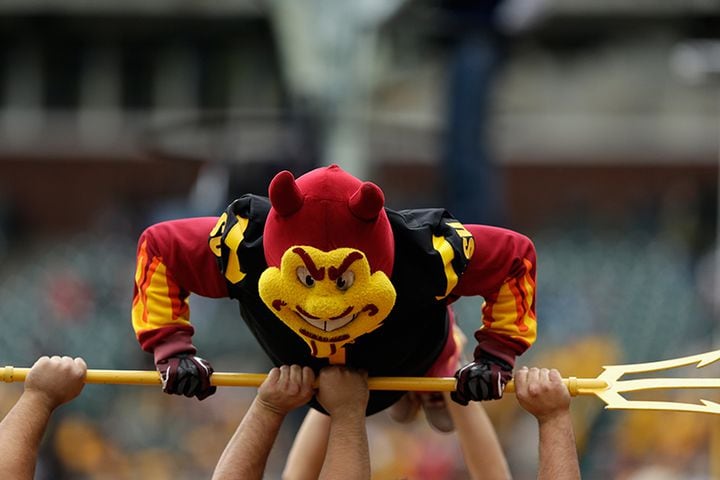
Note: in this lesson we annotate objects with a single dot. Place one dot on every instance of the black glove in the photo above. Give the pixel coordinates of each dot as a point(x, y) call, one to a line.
point(483, 379)
point(186, 374)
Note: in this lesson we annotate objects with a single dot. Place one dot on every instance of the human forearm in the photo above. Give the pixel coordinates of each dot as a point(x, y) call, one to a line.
point(558, 451)
point(477, 434)
point(307, 454)
point(21, 432)
point(246, 454)
point(347, 455)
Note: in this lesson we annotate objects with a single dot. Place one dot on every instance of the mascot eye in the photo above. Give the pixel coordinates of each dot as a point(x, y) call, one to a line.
point(304, 276)
point(345, 280)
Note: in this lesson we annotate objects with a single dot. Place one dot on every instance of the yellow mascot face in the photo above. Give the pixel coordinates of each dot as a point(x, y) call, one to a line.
point(328, 298)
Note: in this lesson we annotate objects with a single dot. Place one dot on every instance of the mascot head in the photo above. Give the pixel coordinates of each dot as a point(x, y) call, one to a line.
point(330, 250)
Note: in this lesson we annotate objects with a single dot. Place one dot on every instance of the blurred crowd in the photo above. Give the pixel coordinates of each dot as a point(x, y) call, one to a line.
point(595, 135)
point(73, 298)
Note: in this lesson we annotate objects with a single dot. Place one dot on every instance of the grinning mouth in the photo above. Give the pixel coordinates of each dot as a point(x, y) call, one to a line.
point(320, 338)
point(326, 325)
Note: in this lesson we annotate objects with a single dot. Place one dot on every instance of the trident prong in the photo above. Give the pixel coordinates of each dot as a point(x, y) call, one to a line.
point(612, 374)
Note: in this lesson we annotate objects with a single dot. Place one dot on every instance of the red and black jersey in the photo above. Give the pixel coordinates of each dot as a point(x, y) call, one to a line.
point(437, 260)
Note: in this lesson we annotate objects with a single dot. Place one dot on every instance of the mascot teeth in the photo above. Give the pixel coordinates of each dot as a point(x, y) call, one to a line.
point(329, 325)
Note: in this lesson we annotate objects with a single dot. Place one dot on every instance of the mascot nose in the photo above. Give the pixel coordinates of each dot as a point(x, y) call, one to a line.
point(325, 306)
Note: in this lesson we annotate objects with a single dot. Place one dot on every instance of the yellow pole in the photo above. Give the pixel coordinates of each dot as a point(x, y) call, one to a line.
point(577, 386)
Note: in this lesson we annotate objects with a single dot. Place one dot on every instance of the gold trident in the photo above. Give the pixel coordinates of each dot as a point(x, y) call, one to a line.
point(611, 374)
point(606, 386)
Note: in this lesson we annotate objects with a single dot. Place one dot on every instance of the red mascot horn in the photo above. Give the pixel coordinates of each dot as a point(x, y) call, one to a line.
point(367, 202)
point(285, 196)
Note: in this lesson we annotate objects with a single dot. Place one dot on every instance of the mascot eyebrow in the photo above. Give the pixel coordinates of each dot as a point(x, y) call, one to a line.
point(317, 273)
point(334, 273)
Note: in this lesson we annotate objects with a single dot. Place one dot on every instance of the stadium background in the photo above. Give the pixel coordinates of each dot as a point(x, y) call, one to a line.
point(599, 139)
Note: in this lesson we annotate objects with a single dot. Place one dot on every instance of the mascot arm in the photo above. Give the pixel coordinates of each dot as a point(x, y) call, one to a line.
point(502, 271)
point(173, 260)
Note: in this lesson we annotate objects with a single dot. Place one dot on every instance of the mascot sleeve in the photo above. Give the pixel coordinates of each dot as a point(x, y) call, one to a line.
point(173, 260)
point(502, 271)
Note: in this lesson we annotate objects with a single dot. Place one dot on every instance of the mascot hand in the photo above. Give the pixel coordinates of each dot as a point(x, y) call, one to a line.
point(483, 379)
point(186, 374)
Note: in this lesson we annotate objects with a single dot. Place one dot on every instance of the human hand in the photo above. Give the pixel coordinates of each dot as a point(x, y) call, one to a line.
point(342, 390)
point(542, 393)
point(286, 388)
point(56, 380)
point(185, 374)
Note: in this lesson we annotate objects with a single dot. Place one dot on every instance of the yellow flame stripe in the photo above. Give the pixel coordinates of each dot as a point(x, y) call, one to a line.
point(511, 312)
point(158, 302)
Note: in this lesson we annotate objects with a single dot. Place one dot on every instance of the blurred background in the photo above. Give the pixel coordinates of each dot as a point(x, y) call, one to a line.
point(592, 126)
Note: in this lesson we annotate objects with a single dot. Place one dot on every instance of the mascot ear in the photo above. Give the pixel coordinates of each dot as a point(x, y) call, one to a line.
point(285, 196)
point(367, 202)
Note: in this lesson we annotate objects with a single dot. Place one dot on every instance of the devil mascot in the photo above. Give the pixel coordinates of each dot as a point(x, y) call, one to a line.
point(325, 274)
